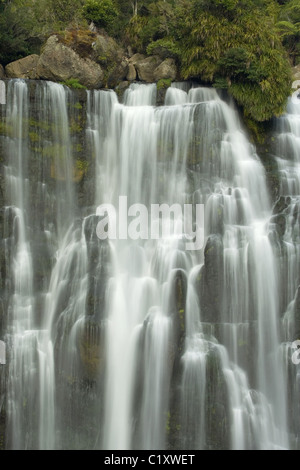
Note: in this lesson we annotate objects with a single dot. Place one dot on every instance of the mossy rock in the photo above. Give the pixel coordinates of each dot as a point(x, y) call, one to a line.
point(80, 40)
point(163, 83)
point(91, 349)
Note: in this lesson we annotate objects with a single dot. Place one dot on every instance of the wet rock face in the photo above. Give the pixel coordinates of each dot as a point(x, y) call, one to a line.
point(217, 404)
point(297, 315)
point(280, 224)
point(2, 72)
point(92, 350)
point(59, 62)
point(99, 266)
point(210, 280)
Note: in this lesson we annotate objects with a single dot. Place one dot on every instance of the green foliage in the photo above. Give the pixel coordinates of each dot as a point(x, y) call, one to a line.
point(74, 83)
point(17, 33)
point(101, 12)
point(233, 44)
point(234, 62)
point(62, 13)
point(221, 83)
point(25, 24)
point(154, 24)
point(288, 26)
point(135, 33)
point(165, 47)
point(241, 52)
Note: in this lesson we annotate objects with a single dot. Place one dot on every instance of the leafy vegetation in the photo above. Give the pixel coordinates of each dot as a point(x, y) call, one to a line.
point(288, 27)
point(101, 12)
point(74, 83)
point(232, 44)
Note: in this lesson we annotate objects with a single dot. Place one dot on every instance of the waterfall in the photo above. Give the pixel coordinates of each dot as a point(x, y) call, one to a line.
point(287, 242)
point(132, 340)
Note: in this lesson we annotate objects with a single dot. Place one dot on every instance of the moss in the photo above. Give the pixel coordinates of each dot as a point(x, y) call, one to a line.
point(80, 169)
point(259, 131)
point(55, 151)
point(6, 129)
point(78, 148)
point(37, 124)
point(77, 105)
point(90, 356)
point(102, 60)
point(33, 136)
point(74, 83)
point(163, 83)
point(75, 126)
point(3, 128)
point(82, 165)
point(182, 319)
point(80, 40)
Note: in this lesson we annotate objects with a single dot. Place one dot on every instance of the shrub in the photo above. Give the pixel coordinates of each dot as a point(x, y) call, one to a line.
point(101, 12)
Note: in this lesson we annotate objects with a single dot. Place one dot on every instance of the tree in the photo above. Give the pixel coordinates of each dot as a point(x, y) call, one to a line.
point(17, 32)
point(101, 12)
point(240, 50)
point(289, 28)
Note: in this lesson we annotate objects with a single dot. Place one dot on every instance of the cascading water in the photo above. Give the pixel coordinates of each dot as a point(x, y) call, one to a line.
point(286, 221)
point(136, 342)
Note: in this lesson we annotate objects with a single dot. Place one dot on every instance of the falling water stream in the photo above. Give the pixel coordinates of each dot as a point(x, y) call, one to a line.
point(133, 342)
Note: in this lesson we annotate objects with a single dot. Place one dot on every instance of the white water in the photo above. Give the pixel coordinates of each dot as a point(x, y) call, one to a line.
point(288, 153)
point(151, 345)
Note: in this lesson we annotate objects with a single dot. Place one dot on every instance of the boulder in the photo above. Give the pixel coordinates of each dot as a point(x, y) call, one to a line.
point(59, 62)
point(131, 74)
point(296, 84)
point(296, 72)
point(123, 85)
point(146, 67)
point(110, 56)
point(23, 68)
point(106, 51)
point(2, 72)
point(117, 74)
point(136, 58)
point(167, 69)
